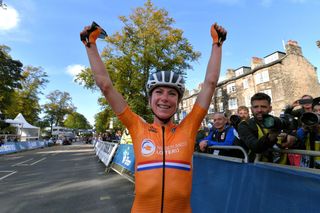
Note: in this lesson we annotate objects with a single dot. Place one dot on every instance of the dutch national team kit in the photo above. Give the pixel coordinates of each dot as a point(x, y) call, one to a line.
point(163, 161)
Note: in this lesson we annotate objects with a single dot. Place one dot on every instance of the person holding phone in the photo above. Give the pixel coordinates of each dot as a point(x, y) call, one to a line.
point(305, 104)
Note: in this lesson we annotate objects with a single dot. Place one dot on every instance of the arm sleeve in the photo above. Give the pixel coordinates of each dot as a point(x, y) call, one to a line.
point(301, 134)
point(295, 113)
point(209, 136)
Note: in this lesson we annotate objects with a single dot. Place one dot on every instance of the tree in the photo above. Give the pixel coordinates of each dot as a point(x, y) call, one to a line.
point(10, 77)
point(102, 119)
point(58, 106)
point(27, 97)
point(76, 120)
point(147, 43)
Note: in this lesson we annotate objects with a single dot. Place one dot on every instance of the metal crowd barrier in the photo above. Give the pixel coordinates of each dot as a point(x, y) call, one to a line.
point(245, 154)
point(105, 151)
point(298, 151)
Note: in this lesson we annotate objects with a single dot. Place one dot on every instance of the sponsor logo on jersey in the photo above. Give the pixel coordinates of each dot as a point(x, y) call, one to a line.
point(147, 147)
point(152, 129)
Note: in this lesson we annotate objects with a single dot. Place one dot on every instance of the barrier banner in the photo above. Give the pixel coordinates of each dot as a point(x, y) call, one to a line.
point(98, 146)
point(225, 186)
point(11, 147)
point(106, 152)
point(125, 157)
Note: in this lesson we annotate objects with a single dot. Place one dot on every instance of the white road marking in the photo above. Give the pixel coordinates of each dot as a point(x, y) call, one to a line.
point(105, 198)
point(67, 151)
point(37, 161)
point(17, 164)
point(11, 173)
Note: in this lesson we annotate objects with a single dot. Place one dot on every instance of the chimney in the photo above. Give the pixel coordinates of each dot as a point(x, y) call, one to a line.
point(292, 47)
point(230, 74)
point(255, 62)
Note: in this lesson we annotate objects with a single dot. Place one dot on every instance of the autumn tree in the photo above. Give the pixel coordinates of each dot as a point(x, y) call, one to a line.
point(58, 106)
point(146, 44)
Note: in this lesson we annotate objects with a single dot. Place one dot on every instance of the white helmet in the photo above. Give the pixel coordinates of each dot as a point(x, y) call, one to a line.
point(167, 79)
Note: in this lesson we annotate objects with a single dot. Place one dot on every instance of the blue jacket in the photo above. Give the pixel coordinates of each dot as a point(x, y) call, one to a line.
point(224, 138)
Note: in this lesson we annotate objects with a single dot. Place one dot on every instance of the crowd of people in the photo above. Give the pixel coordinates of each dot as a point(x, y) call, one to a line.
point(262, 135)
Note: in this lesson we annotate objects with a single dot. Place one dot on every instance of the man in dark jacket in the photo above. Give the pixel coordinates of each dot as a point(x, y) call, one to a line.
point(255, 138)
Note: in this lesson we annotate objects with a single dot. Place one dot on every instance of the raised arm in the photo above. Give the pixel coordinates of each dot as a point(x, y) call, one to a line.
point(101, 75)
point(213, 69)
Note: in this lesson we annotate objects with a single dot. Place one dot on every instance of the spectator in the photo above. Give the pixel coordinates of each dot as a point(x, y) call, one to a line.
point(117, 136)
point(243, 113)
point(316, 105)
point(203, 132)
point(305, 104)
point(221, 134)
point(126, 137)
point(256, 139)
point(309, 136)
point(1, 140)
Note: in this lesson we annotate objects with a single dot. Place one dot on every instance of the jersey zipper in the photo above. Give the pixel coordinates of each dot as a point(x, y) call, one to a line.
point(163, 167)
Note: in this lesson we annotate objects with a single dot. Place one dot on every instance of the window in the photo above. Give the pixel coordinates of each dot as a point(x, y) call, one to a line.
point(245, 84)
point(219, 92)
point(247, 100)
point(211, 108)
point(220, 105)
point(273, 57)
point(233, 104)
point(231, 88)
point(268, 92)
point(262, 77)
point(239, 72)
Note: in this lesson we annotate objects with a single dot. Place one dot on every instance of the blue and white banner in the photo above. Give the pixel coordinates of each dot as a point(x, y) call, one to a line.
point(11, 147)
point(105, 151)
point(125, 157)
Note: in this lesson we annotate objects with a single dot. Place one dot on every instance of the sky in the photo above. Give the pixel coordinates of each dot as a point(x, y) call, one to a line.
point(46, 34)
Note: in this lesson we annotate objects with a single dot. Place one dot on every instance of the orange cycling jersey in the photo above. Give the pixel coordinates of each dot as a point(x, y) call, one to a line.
point(163, 161)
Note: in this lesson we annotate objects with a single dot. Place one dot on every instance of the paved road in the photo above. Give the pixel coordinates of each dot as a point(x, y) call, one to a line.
point(61, 179)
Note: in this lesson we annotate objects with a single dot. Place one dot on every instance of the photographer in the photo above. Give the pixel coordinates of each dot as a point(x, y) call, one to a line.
point(309, 136)
point(305, 104)
point(255, 137)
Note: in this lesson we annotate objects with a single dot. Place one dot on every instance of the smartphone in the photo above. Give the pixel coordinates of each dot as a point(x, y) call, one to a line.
point(305, 101)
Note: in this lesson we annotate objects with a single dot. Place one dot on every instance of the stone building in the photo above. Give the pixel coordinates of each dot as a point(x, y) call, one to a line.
point(284, 76)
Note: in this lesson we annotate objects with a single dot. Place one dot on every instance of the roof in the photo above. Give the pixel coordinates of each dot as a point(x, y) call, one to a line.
point(21, 122)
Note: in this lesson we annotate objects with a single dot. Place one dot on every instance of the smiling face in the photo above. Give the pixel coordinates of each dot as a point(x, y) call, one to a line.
point(219, 121)
point(164, 103)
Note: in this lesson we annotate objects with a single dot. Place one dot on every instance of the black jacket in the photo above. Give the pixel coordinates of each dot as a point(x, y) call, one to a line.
point(248, 133)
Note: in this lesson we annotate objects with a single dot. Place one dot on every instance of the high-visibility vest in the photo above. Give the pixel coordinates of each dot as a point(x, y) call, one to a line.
point(283, 156)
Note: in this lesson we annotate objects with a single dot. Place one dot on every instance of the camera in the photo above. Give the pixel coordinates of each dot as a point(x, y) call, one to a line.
point(310, 118)
point(284, 122)
point(235, 120)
